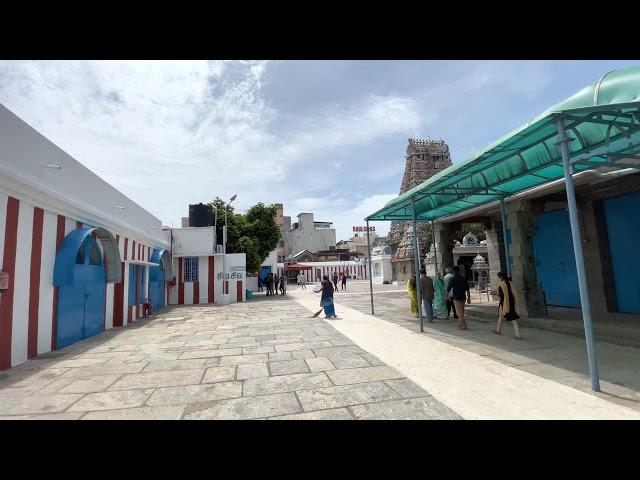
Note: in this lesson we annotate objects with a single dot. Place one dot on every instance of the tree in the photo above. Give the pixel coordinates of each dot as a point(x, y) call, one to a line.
point(255, 234)
point(476, 228)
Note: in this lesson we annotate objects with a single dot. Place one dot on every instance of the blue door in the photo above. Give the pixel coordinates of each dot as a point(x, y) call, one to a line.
point(623, 228)
point(555, 262)
point(156, 281)
point(81, 304)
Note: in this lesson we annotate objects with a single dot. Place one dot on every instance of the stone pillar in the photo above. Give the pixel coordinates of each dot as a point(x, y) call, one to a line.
point(443, 246)
point(520, 221)
point(495, 253)
point(592, 219)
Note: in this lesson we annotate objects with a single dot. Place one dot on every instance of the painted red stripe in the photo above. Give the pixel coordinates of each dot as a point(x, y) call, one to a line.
point(34, 282)
point(196, 293)
point(138, 257)
point(126, 246)
point(118, 294)
point(239, 291)
point(210, 284)
point(180, 283)
point(129, 314)
point(9, 266)
point(148, 253)
point(56, 290)
point(133, 250)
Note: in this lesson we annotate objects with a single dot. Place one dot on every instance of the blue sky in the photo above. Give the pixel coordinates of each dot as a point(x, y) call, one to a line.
point(321, 136)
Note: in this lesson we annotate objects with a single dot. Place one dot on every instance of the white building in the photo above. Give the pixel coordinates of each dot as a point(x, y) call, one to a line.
point(305, 234)
point(381, 270)
point(204, 276)
point(81, 257)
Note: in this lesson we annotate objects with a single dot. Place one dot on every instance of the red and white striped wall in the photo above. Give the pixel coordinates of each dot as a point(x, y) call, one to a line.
point(356, 270)
point(29, 238)
point(214, 280)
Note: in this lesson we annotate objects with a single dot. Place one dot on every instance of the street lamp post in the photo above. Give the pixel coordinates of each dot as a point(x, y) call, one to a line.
point(224, 233)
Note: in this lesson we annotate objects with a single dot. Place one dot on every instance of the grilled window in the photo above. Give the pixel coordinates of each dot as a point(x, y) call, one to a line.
point(191, 269)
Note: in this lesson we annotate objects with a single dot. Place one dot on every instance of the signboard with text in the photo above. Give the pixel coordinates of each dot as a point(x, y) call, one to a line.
point(363, 229)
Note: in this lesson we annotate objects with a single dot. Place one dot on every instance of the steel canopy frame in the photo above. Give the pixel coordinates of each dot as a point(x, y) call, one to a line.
point(608, 135)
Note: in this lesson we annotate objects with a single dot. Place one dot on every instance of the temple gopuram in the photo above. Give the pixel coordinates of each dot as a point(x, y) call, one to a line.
point(424, 158)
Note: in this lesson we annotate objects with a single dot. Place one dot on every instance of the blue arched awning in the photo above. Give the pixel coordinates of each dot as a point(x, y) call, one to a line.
point(161, 256)
point(66, 255)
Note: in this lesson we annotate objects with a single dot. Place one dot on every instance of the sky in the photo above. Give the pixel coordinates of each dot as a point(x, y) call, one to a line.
point(327, 137)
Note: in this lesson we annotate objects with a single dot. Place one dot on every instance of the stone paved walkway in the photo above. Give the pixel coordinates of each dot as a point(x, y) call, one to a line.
point(256, 360)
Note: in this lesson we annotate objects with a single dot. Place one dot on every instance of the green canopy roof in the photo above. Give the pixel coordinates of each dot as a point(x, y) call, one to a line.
point(603, 120)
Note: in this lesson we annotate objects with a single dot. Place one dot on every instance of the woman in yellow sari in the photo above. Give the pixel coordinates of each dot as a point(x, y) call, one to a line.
point(413, 295)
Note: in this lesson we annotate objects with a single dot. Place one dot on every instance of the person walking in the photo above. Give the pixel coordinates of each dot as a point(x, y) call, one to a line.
point(344, 281)
point(326, 300)
point(458, 285)
point(259, 283)
point(447, 278)
point(439, 297)
point(507, 307)
point(271, 284)
point(427, 292)
point(413, 295)
point(283, 284)
point(303, 281)
point(335, 280)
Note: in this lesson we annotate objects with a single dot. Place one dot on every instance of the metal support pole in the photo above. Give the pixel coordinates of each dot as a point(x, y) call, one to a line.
point(577, 251)
point(504, 236)
point(435, 252)
point(416, 256)
point(224, 232)
point(215, 232)
point(369, 260)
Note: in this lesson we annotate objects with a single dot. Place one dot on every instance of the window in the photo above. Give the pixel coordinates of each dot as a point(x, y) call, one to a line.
point(190, 269)
point(80, 255)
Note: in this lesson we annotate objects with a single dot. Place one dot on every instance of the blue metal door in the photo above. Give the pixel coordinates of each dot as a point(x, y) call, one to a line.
point(555, 261)
point(94, 290)
point(623, 228)
point(160, 291)
point(156, 288)
point(81, 305)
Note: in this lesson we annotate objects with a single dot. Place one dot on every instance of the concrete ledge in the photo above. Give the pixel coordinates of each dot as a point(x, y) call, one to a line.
point(606, 332)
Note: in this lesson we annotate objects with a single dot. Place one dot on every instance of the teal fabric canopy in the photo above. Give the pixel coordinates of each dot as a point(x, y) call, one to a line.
point(603, 121)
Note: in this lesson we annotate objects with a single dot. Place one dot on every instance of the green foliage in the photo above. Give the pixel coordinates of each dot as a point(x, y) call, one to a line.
point(476, 228)
point(256, 233)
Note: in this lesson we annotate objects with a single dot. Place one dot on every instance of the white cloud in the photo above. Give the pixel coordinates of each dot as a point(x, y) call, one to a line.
point(170, 133)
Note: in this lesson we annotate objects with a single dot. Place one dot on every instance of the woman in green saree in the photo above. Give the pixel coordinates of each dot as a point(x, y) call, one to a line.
point(440, 297)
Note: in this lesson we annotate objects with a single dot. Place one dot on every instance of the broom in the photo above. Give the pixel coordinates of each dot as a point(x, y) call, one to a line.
point(317, 289)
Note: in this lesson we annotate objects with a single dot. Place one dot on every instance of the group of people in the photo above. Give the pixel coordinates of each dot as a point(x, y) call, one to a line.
point(279, 282)
point(444, 294)
point(344, 281)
